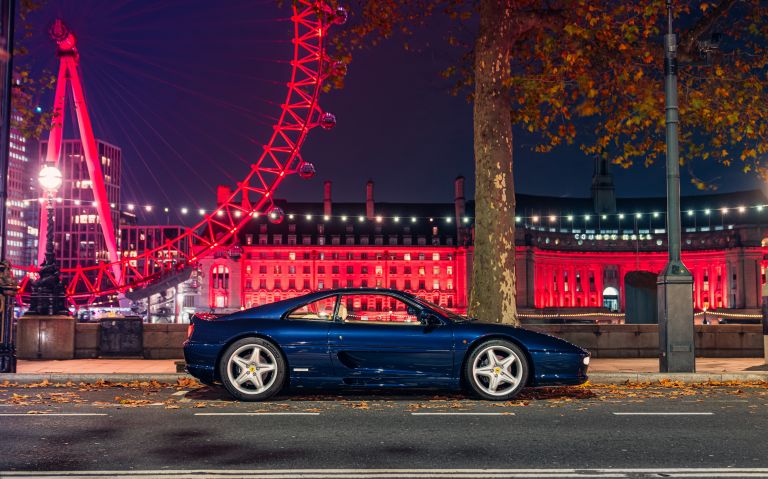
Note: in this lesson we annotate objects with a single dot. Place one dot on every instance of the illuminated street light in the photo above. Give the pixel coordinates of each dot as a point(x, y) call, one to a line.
point(50, 178)
point(48, 293)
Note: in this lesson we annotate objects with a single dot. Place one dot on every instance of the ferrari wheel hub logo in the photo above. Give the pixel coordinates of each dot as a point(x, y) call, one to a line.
point(497, 371)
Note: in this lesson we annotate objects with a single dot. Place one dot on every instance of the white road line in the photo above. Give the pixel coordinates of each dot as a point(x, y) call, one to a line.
point(393, 473)
point(54, 414)
point(663, 414)
point(462, 414)
point(257, 414)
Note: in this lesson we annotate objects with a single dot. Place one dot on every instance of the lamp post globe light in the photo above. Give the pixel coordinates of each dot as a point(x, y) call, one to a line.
point(48, 293)
point(50, 179)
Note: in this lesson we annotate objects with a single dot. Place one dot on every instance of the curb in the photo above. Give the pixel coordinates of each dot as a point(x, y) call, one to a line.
point(594, 378)
point(687, 378)
point(62, 378)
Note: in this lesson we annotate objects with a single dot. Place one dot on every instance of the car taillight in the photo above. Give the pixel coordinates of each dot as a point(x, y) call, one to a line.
point(190, 330)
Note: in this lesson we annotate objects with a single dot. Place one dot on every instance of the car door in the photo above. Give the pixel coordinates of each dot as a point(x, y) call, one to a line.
point(378, 338)
point(304, 338)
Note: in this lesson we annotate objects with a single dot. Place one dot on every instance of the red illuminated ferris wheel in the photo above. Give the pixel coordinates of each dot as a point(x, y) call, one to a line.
point(253, 196)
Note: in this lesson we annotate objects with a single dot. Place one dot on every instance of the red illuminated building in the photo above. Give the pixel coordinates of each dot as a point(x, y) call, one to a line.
point(573, 254)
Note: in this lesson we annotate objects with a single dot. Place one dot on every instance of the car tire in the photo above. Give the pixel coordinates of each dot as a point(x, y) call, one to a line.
point(498, 379)
point(252, 369)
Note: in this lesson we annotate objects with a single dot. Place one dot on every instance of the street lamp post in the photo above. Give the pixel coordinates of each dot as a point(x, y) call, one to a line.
point(48, 294)
point(675, 283)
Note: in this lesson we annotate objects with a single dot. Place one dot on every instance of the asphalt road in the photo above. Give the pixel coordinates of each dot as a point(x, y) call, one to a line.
point(593, 432)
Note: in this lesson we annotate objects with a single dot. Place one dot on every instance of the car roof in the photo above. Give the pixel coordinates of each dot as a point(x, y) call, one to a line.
point(331, 292)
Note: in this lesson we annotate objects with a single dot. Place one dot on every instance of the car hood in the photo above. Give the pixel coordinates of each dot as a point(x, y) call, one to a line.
point(533, 340)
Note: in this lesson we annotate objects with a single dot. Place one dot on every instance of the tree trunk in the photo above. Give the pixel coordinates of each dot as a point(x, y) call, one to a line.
point(492, 294)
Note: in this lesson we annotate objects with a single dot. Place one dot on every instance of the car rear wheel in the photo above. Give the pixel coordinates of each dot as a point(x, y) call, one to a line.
point(252, 369)
point(497, 370)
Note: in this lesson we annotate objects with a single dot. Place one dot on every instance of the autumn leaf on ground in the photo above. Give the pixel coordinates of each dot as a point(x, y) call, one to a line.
point(200, 405)
point(132, 402)
point(188, 383)
point(360, 405)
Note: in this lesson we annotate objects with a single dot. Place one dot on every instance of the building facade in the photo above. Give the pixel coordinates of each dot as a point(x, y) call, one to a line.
point(166, 301)
point(19, 231)
point(572, 254)
point(78, 239)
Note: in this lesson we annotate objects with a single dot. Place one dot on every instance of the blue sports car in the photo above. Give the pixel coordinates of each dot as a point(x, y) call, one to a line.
point(363, 338)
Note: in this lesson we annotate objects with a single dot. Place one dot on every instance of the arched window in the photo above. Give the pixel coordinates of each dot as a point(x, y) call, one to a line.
point(220, 277)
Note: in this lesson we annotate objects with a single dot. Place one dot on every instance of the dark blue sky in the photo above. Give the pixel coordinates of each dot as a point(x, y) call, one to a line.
point(189, 88)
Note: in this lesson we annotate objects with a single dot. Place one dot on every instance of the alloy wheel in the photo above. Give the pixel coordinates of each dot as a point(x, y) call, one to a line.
point(497, 370)
point(252, 369)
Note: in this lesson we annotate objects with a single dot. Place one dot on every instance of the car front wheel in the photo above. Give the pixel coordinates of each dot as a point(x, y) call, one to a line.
point(252, 369)
point(497, 370)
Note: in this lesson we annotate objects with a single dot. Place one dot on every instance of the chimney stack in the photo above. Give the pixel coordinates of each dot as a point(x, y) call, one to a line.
point(327, 198)
point(369, 200)
point(460, 206)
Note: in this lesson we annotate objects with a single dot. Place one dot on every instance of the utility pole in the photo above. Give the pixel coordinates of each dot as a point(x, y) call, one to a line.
point(675, 283)
point(6, 67)
point(8, 285)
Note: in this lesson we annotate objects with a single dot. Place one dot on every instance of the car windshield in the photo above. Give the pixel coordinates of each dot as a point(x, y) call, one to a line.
point(444, 312)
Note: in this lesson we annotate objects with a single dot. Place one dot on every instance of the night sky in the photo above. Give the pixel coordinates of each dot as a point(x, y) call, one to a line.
point(190, 88)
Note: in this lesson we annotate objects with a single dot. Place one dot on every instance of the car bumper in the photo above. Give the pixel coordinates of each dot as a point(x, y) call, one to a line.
point(201, 360)
point(559, 369)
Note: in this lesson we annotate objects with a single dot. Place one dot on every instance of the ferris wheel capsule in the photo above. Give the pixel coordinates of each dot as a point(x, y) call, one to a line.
point(307, 170)
point(276, 215)
point(327, 120)
point(340, 16)
point(339, 68)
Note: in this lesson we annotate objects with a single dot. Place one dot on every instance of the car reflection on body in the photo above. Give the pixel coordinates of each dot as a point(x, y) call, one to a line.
point(373, 338)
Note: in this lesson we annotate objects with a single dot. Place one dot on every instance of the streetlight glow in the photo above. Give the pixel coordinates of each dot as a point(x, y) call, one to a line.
point(50, 178)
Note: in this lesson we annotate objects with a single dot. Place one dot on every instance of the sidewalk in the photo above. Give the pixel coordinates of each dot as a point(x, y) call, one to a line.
point(168, 366)
point(601, 371)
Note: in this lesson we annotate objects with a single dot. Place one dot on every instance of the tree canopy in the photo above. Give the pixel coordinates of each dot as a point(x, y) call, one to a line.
point(590, 72)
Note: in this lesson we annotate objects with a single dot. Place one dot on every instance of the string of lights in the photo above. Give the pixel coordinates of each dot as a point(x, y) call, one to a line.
point(530, 219)
point(638, 215)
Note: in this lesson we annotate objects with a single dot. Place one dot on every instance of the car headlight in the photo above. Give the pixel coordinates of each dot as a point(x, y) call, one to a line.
point(585, 360)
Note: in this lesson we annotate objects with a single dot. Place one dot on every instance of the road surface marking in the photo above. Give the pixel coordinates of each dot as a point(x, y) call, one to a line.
point(395, 473)
point(257, 414)
point(663, 414)
point(54, 414)
point(462, 414)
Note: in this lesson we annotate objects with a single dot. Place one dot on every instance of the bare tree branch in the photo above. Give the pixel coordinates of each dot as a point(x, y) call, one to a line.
point(688, 38)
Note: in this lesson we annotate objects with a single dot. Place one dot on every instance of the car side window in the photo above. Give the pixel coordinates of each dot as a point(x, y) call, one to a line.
point(376, 309)
point(320, 310)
